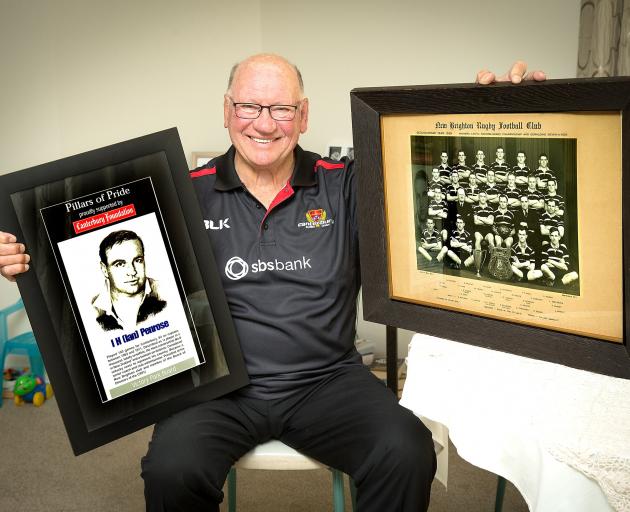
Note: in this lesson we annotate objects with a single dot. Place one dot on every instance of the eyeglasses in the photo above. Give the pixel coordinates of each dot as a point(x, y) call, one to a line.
point(253, 110)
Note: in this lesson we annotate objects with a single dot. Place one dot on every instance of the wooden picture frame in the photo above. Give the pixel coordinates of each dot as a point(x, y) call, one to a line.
point(111, 379)
point(398, 291)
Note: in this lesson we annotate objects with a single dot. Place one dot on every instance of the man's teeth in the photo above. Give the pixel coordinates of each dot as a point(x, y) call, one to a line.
point(261, 141)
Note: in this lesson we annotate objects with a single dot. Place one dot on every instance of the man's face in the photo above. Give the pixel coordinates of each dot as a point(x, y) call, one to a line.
point(503, 202)
point(430, 225)
point(490, 177)
point(531, 182)
point(472, 180)
point(460, 224)
point(522, 236)
point(461, 195)
point(554, 236)
point(435, 174)
point(461, 157)
point(480, 156)
point(454, 178)
point(499, 153)
point(483, 198)
point(263, 143)
point(444, 157)
point(520, 158)
point(552, 186)
point(551, 207)
point(543, 161)
point(525, 202)
point(437, 193)
point(511, 180)
point(125, 267)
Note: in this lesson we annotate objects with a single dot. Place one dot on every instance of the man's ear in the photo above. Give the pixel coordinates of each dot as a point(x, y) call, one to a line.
point(226, 110)
point(104, 270)
point(304, 115)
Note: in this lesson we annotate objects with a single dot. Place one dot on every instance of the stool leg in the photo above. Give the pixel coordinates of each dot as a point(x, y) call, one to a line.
point(353, 493)
point(498, 503)
point(338, 495)
point(232, 490)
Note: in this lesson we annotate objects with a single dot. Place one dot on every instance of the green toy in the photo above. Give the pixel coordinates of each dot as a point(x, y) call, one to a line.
point(31, 388)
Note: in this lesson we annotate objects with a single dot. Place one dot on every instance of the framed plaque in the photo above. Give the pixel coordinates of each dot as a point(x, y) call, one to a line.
point(123, 294)
point(496, 215)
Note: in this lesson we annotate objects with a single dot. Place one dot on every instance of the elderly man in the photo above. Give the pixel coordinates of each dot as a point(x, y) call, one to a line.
point(295, 318)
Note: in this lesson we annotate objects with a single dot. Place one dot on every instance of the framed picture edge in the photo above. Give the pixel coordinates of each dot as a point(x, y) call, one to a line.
point(571, 95)
point(83, 439)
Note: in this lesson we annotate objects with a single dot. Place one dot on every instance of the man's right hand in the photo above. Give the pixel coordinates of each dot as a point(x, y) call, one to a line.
point(13, 259)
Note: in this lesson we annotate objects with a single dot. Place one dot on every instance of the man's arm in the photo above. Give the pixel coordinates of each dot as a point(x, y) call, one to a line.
point(13, 259)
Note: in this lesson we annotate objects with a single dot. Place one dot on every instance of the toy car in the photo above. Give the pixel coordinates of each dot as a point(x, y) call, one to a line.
point(31, 388)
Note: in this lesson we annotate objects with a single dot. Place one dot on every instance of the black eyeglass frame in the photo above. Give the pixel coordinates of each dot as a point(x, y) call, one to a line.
point(261, 107)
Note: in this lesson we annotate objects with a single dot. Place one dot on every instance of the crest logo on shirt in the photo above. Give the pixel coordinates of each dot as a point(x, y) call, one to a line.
point(316, 218)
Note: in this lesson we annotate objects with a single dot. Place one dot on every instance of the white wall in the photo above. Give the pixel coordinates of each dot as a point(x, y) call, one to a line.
point(80, 74)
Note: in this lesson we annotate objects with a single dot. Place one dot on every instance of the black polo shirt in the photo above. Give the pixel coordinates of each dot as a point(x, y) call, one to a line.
point(291, 273)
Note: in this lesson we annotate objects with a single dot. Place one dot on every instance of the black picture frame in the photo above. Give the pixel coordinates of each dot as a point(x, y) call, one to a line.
point(369, 105)
point(89, 421)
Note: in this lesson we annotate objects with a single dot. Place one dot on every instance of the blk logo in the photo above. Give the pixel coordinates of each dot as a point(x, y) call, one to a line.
point(220, 224)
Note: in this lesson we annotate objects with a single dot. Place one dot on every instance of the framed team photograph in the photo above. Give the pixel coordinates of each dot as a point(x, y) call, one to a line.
point(123, 294)
point(501, 215)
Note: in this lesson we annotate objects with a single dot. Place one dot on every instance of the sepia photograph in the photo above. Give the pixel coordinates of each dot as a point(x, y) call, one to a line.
point(497, 208)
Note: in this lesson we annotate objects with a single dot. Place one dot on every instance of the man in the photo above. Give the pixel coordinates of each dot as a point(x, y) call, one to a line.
point(534, 197)
point(523, 257)
point(460, 245)
point(472, 190)
point(552, 193)
point(512, 192)
point(480, 169)
point(483, 220)
point(453, 187)
point(462, 169)
point(543, 173)
point(129, 297)
point(438, 212)
point(555, 262)
point(550, 220)
point(435, 182)
point(521, 170)
point(459, 208)
point(431, 243)
point(500, 166)
point(492, 189)
point(308, 386)
point(444, 169)
point(525, 217)
point(503, 226)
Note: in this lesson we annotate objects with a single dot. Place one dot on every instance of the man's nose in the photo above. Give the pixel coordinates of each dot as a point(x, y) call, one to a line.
point(264, 122)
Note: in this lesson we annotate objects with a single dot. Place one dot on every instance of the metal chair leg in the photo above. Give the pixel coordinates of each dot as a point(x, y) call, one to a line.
point(498, 502)
point(338, 494)
point(232, 490)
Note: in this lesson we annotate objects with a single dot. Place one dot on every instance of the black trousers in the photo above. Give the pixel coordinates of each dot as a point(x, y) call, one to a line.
point(349, 421)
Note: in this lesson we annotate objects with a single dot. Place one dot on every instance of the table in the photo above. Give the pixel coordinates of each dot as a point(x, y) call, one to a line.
point(560, 435)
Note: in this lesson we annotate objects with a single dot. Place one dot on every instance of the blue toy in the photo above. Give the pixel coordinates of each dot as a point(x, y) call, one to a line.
point(31, 388)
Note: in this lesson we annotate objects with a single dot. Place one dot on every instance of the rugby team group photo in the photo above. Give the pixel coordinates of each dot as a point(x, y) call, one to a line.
point(501, 209)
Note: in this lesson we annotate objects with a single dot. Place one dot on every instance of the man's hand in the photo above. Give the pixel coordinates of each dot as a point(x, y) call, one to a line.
point(13, 259)
point(516, 74)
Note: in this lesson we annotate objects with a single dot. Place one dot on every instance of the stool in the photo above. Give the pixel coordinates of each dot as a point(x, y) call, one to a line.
point(21, 344)
point(275, 454)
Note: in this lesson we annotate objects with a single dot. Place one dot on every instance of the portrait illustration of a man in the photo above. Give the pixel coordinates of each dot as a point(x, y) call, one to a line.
point(128, 297)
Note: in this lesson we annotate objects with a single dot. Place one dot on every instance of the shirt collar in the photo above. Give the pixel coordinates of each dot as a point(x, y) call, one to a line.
point(303, 173)
point(103, 300)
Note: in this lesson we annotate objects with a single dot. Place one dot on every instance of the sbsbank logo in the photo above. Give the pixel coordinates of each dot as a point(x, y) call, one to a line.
point(237, 268)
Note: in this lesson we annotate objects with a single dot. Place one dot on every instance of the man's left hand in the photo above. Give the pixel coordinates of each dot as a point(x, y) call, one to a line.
point(516, 74)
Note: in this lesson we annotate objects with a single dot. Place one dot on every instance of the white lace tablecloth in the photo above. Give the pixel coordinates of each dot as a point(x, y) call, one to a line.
point(560, 435)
